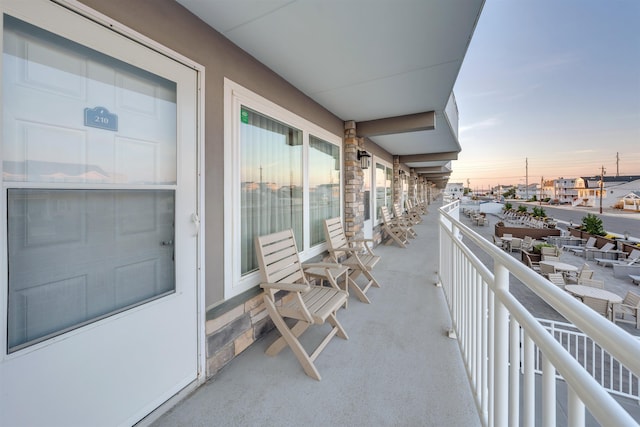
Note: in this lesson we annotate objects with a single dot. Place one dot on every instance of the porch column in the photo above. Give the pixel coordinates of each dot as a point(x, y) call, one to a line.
point(353, 181)
point(412, 184)
point(397, 184)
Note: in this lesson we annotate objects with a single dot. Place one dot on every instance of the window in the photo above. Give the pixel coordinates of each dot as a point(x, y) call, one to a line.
point(284, 172)
point(324, 185)
point(384, 189)
point(271, 182)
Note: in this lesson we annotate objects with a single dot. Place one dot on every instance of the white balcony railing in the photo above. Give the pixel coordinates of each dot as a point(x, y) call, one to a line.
point(488, 322)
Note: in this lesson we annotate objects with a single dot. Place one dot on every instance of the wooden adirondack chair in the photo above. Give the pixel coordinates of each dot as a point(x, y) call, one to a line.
point(415, 213)
point(404, 220)
point(395, 231)
point(359, 257)
point(281, 270)
point(599, 305)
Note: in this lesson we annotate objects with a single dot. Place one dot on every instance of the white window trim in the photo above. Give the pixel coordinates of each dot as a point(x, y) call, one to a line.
point(236, 95)
point(386, 164)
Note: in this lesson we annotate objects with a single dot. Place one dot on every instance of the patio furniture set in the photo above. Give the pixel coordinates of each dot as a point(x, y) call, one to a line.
point(309, 302)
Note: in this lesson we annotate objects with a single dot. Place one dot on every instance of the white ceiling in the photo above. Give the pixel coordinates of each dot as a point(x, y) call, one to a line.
point(360, 59)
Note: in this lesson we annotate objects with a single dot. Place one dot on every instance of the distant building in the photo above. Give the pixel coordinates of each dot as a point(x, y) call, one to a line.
point(454, 189)
point(614, 189)
point(526, 192)
point(565, 190)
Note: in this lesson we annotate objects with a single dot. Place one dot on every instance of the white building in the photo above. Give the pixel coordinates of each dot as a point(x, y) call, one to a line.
point(565, 190)
point(614, 188)
point(454, 189)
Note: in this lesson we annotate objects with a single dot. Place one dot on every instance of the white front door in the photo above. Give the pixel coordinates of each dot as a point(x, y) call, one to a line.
point(98, 266)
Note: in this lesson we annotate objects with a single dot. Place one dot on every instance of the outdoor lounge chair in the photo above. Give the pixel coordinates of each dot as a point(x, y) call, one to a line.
point(397, 233)
point(281, 270)
point(600, 305)
point(357, 255)
point(593, 252)
point(515, 244)
point(579, 249)
point(630, 306)
point(634, 257)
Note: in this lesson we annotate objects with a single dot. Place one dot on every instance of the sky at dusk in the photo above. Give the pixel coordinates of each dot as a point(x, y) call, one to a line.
point(556, 82)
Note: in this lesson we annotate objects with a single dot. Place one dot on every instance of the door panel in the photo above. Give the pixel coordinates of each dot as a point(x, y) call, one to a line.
point(98, 280)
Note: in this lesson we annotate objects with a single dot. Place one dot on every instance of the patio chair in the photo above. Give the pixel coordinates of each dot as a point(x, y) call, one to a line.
point(594, 283)
point(357, 255)
point(600, 305)
point(527, 243)
point(535, 266)
point(546, 269)
point(557, 279)
point(397, 233)
point(413, 212)
point(584, 272)
point(515, 244)
point(498, 242)
point(281, 270)
point(404, 220)
point(633, 258)
point(630, 306)
point(549, 251)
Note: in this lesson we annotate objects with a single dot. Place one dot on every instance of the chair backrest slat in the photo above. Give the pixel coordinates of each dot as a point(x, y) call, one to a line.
point(278, 258)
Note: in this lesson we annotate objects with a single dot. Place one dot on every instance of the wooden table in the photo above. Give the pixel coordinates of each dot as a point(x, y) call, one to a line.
point(561, 266)
point(588, 291)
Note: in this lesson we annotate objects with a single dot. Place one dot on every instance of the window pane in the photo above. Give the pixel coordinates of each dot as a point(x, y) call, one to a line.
point(324, 186)
point(74, 115)
point(80, 255)
point(271, 182)
point(380, 189)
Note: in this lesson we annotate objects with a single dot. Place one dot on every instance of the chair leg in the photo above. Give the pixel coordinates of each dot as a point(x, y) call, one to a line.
point(359, 292)
point(290, 337)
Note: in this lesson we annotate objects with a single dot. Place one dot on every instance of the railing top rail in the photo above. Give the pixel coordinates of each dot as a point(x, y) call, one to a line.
point(619, 343)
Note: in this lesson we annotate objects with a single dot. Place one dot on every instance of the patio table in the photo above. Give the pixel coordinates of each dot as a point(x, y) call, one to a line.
point(589, 291)
point(561, 266)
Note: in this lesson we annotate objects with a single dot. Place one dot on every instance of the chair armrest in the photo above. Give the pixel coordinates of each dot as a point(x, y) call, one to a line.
point(291, 287)
point(321, 265)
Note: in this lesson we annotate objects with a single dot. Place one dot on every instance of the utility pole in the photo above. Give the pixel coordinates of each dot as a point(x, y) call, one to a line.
point(601, 186)
point(541, 186)
point(617, 164)
point(526, 182)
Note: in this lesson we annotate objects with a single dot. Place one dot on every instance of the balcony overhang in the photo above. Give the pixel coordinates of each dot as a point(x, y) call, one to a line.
point(384, 73)
point(396, 125)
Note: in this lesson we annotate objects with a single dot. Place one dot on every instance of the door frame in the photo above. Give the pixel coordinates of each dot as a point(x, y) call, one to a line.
point(84, 11)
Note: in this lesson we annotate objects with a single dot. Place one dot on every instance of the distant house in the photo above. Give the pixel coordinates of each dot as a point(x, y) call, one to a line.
point(631, 201)
point(613, 189)
point(565, 190)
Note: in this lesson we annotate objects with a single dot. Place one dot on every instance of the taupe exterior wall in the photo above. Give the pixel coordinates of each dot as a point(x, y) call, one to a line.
point(169, 24)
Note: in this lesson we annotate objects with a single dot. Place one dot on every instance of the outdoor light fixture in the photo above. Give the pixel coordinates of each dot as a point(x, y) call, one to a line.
point(365, 159)
point(626, 235)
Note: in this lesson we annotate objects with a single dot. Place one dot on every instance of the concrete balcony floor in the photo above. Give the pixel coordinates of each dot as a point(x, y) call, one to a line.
point(398, 367)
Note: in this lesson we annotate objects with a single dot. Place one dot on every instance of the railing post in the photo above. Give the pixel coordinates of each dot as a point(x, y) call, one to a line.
point(501, 350)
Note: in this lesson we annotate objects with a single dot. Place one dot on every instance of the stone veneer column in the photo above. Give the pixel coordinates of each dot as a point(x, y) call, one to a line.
point(353, 181)
point(397, 184)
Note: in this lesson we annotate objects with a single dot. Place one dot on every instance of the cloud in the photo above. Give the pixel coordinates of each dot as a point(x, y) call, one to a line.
point(483, 124)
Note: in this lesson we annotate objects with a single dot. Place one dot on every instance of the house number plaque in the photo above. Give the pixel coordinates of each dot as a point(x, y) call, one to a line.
point(101, 118)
